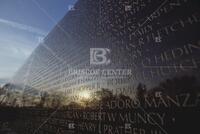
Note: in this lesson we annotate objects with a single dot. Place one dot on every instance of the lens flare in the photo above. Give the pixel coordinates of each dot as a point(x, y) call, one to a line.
point(85, 95)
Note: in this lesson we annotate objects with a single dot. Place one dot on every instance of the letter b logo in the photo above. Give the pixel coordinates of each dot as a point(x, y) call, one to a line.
point(98, 56)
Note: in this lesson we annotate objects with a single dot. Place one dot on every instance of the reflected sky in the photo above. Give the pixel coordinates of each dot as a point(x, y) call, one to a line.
point(23, 24)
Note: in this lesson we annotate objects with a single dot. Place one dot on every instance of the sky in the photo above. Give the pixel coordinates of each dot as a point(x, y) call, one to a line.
point(23, 24)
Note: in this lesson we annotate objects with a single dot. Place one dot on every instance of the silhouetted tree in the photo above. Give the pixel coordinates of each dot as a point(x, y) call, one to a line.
point(57, 100)
point(43, 98)
point(141, 92)
point(178, 85)
point(104, 94)
point(74, 105)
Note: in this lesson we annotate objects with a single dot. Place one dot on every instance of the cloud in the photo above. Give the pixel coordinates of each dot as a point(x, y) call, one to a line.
point(15, 49)
point(13, 54)
point(23, 27)
point(22, 50)
point(16, 46)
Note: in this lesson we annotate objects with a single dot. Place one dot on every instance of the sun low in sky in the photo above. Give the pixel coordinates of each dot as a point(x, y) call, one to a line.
point(86, 95)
